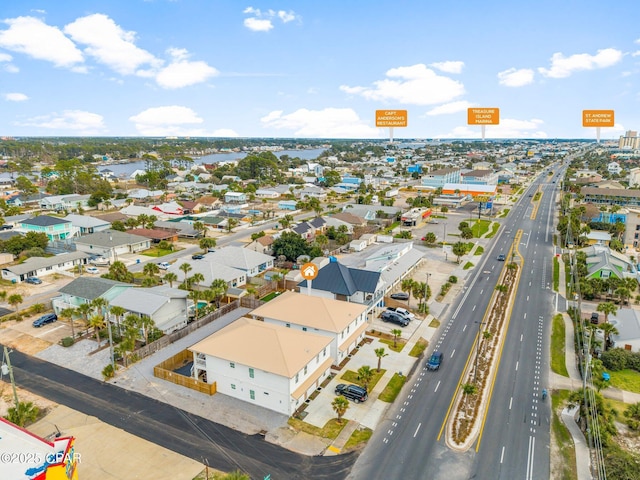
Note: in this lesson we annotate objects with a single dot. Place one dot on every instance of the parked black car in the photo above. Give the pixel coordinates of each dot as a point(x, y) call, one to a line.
point(45, 319)
point(352, 392)
point(400, 296)
point(595, 318)
point(393, 317)
point(33, 280)
point(197, 257)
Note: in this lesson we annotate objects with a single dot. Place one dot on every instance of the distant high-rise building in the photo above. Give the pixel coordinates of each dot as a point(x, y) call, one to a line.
point(630, 140)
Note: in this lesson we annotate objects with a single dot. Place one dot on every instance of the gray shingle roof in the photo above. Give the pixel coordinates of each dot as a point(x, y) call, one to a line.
point(111, 238)
point(35, 263)
point(90, 288)
point(44, 221)
point(342, 280)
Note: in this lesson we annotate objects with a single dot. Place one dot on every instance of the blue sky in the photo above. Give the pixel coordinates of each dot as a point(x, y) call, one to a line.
point(314, 69)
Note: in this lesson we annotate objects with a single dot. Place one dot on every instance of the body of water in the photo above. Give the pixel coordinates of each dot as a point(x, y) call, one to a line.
point(126, 169)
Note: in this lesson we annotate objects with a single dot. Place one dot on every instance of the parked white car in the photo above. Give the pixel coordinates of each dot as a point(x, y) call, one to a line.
point(163, 265)
point(92, 270)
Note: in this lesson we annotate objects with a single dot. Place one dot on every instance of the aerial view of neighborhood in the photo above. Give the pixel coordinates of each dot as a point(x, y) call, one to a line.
point(287, 240)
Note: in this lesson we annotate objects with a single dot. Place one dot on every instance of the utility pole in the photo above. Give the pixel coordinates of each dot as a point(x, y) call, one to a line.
point(7, 369)
point(426, 293)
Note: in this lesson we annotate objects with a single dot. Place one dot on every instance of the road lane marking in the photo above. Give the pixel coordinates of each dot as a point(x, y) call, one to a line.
point(437, 386)
point(464, 328)
point(474, 308)
point(502, 455)
point(517, 363)
point(414, 435)
point(510, 403)
point(454, 351)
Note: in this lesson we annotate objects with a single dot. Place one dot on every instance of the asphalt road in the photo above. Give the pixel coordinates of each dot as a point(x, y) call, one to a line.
point(190, 435)
point(409, 443)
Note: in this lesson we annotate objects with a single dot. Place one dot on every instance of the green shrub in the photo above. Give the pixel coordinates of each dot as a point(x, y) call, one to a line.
point(108, 372)
point(453, 279)
point(37, 308)
point(67, 341)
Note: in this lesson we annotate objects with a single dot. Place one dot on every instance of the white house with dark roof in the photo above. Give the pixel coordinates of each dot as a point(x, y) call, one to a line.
point(210, 270)
point(111, 243)
point(167, 307)
point(64, 202)
point(252, 263)
point(344, 322)
point(43, 266)
point(263, 363)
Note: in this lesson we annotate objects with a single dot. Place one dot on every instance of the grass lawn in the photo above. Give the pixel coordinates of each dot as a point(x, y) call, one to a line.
point(158, 252)
point(619, 406)
point(399, 344)
point(556, 273)
point(562, 438)
point(435, 323)
point(353, 377)
point(392, 389)
point(480, 227)
point(558, 363)
point(359, 437)
point(479, 250)
point(419, 347)
point(494, 230)
point(504, 213)
point(270, 296)
point(469, 246)
point(467, 266)
point(330, 430)
point(626, 379)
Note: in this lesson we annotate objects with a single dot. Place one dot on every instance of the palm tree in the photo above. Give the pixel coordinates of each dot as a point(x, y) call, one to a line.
point(117, 312)
point(15, 300)
point(97, 323)
point(84, 309)
point(195, 295)
point(220, 287)
point(365, 374)
point(340, 405)
point(197, 278)
point(185, 268)
point(146, 323)
point(459, 249)
point(608, 308)
point(608, 329)
point(170, 277)
point(380, 353)
point(407, 287)
point(200, 227)
point(23, 413)
point(397, 333)
point(151, 269)
point(207, 243)
point(69, 313)
point(231, 223)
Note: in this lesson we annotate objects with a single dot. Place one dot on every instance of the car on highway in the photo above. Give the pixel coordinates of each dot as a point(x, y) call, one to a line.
point(92, 270)
point(197, 256)
point(393, 317)
point(400, 296)
point(434, 361)
point(501, 257)
point(33, 280)
point(352, 392)
point(45, 319)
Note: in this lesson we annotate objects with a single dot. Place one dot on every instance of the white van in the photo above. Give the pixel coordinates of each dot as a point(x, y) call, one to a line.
point(163, 265)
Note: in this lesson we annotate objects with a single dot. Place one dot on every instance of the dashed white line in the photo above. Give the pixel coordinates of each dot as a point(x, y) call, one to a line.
point(414, 435)
point(454, 351)
point(502, 455)
point(437, 386)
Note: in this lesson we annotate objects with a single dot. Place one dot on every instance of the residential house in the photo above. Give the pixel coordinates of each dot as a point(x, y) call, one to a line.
point(634, 177)
point(86, 224)
point(343, 322)
point(311, 191)
point(262, 245)
point(156, 235)
point(167, 307)
point(602, 262)
point(235, 197)
point(287, 205)
point(614, 168)
point(64, 202)
point(350, 218)
point(267, 193)
point(55, 228)
point(252, 263)
point(627, 322)
point(262, 363)
point(170, 208)
point(43, 266)
point(598, 237)
point(210, 270)
point(86, 289)
point(111, 243)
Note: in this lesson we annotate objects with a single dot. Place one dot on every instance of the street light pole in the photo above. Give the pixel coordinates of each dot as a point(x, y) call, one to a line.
point(426, 293)
point(475, 368)
point(7, 369)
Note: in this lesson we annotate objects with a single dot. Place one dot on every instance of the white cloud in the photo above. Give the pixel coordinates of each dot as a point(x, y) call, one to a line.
point(448, 67)
point(8, 67)
point(413, 85)
point(261, 21)
point(448, 108)
point(15, 97)
point(257, 24)
point(79, 121)
point(562, 67)
point(109, 44)
point(5, 57)
point(168, 120)
point(515, 78)
point(508, 128)
point(182, 72)
point(326, 123)
point(36, 39)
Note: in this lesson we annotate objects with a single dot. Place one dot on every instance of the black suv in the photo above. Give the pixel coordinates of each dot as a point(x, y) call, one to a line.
point(393, 317)
point(43, 320)
point(595, 318)
point(197, 256)
point(352, 392)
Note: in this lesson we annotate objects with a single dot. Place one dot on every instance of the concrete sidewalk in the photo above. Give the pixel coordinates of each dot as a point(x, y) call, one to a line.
point(583, 457)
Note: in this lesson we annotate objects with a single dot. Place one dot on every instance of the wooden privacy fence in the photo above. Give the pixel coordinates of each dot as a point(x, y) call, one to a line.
point(162, 342)
point(165, 371)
